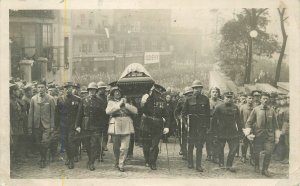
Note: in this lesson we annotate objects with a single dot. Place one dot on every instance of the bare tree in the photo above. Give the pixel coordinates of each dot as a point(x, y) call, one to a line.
point(284, 36)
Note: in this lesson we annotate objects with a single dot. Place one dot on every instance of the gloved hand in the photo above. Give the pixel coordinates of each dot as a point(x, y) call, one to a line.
point(251, 137)
point(78, 129)
point(166, 130)
point(277, 136)
point(246, 131)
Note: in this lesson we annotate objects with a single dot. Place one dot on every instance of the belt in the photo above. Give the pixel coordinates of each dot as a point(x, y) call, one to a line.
point(119, 115)
point(152, 117)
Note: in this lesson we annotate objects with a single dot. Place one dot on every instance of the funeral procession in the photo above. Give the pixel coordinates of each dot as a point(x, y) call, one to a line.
point(149, 93)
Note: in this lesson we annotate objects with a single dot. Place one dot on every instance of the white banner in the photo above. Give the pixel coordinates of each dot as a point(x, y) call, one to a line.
point(151, 57)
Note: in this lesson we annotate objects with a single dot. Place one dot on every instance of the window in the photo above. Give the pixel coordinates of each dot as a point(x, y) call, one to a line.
point(47, 35)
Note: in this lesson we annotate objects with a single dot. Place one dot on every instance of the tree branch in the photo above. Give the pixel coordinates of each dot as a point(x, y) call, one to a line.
point(286, 18)
point(261, 11)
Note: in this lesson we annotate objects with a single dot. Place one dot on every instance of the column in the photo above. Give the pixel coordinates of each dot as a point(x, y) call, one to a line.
point(25, 66)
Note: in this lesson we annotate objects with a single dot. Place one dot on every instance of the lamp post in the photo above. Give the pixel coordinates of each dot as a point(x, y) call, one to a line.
point(252, 34)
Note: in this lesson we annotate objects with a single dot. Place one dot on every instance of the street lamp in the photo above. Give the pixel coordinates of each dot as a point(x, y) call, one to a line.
point(252, 34)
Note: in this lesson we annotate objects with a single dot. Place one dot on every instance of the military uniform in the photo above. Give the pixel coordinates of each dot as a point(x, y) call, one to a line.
point(90, 119)
point(181, 127)
point(67, 108)
point(245, 111)
point(227, 126)
point(154, 113)
point(212, 145)
point(196, 114)
point(263, 123)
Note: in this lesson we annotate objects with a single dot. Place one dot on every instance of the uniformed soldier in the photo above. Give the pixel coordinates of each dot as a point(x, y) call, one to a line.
point(212, 145)
point(242, 99)
point(227, 126)
point(188, 91)
point(170, 108)
point(262, 122)
point(66, 112)
point(103, 141)
point(256, 97)
point(245, 111)
point(90, 120)
point(196, 114)
point(155, 123)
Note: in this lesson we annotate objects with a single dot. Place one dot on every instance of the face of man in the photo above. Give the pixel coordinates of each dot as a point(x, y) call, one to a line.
point(41, 89)
point(243, 99)
point(28, 93)
point(228, 99)
point(92, 92)
point(264, 100)
point(101, 91)
point(117, 94)
point(214, 94)
point(197, 90)
point(168, 98)
point(69, 90)
point(249, 100)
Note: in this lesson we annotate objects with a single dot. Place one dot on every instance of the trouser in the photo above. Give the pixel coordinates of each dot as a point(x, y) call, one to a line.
point(17, 146)
point(41, 138)
point(245, 144)
point(70, 144)
point(280, 148)
point(287, 145)
point(233, 144)
point(196, 141)
point(263, 144)
point(90, 141)
point(105, 139)
point(100, 145)
point(120, 147)
point(209, 144)
point(131, 144)
point(150, 146)
point(183, 140)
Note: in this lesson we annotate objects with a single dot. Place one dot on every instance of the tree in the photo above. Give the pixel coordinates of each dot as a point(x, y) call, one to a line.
point(284, 36)
point(236, 46)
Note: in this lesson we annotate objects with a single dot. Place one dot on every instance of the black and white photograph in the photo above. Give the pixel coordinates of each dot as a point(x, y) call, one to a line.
point(138, 93)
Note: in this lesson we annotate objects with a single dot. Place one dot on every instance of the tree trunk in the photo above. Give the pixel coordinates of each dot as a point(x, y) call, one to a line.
point(248, 63)
point(284, 36)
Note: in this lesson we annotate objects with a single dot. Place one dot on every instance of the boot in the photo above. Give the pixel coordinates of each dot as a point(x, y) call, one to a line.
point(71, 164)
point(92, 167)
point(198, 160)
point(266, 163)
point(256, 164)
point(153, 166)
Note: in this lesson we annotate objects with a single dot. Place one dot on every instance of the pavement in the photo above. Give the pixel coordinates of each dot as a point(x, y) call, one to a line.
point(135, 168)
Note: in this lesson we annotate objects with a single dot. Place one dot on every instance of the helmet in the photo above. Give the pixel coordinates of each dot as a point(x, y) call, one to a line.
point(196, 83)
point(92, 85)
point(101, 84)
point(187, 90)
point(83, 89)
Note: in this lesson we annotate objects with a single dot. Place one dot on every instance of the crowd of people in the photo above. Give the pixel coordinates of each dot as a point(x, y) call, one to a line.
point(45, 118)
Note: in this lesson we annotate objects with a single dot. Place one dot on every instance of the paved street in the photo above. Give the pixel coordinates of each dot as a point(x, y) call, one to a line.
point(136, 169)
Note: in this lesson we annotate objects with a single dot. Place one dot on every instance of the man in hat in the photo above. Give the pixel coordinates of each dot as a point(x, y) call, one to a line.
point(155, 123)
point(188, 91)
point(66, 112)
point(84, 92)
point(104, 136)
point(256, 97)
point(227, 126)
point(89, 119)
point(262, 123)
point(41, 120)
point(245, 111)
point(196, 116)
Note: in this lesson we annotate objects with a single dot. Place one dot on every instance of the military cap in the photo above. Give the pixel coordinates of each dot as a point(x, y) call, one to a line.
point(101, 84)
point(84, 89)
point(13, 86)
point(77, 85)
point(243, 94)
point(113, 89)
point(68, 84)
point(28, 87)
point(256, 92)
point(42, 82)
point(228, 94)
point(187, 90)
point(273, 94)
point(265, 94)
point(92, 85)
point(196, 83)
